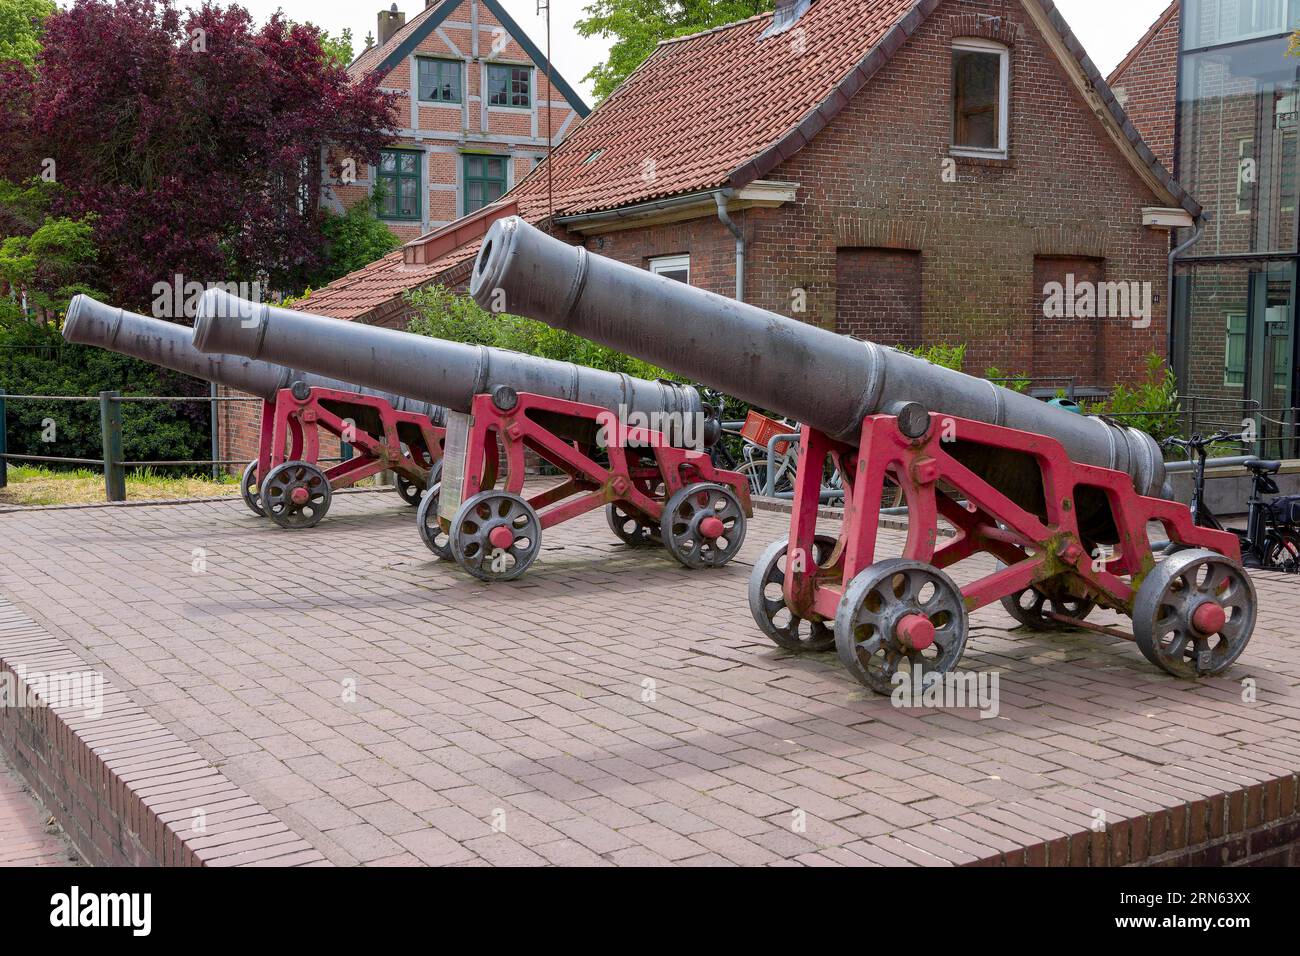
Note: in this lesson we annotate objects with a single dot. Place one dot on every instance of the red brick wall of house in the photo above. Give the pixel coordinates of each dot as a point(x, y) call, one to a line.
point(240, 428)
point(874, 178)
point(1147, 85)
point(878, 295)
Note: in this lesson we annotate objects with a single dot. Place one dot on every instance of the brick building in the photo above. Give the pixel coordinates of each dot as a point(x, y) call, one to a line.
point(1146, 83)
point(477, 101)
point(913, 171)
point(1215, 79)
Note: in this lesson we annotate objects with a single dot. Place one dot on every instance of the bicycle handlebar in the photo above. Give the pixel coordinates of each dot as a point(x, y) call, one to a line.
point(1197, 443)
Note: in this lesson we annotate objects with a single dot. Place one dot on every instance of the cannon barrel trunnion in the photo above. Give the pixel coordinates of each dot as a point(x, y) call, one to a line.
point(1061, 501)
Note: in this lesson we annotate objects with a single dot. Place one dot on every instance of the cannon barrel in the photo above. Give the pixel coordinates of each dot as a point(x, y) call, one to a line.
point(158, 342)
point(812, 375)
point(430, 369)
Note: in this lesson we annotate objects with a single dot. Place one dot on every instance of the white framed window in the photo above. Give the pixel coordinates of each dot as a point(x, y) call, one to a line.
point(673, 267)
point(981, 82)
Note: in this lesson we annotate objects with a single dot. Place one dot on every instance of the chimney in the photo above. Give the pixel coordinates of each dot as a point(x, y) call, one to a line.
point(390, 21)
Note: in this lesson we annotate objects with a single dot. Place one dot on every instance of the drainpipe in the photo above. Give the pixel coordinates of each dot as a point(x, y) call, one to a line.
point(721, 197)
point(1169, 299)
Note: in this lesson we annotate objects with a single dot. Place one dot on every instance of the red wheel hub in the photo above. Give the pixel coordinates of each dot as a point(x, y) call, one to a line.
point(915, 632)
point(712, 527)
point(299, 495)
point(1209, 618)
point(501, 537)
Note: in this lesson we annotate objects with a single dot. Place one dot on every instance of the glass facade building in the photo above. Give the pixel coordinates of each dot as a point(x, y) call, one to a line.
point(1238, 108)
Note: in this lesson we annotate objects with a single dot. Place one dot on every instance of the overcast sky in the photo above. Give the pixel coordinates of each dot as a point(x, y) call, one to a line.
point(1107, 28)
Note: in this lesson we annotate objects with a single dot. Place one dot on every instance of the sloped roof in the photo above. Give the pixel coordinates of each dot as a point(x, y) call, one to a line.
point(382, 59)
point(724, 108)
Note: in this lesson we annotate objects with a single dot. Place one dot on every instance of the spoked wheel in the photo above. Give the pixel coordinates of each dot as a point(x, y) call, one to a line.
point(248, 488)
point(1033, 608)
point(767, 599)
point(631, 527)
point(1194, 614)
point(496, 536)
point(703, 525)
point(426, 519)
point(296, 495)
point(411, 491)
point(891, 495)
point(756, 472)
point(900, 616)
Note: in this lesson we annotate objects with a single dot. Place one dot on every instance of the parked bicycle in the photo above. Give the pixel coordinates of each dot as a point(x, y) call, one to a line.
point(746, 448)
point(1271, 539)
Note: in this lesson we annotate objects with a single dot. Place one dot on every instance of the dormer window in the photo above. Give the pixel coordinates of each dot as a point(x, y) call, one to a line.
point(980, 98)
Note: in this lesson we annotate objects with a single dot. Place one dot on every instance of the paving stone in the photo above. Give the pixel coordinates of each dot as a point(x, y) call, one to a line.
point(526, 699)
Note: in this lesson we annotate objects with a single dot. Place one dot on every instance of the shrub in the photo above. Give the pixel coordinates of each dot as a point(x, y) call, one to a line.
point(443, 314)
point(1152, 405)
point(34, 360)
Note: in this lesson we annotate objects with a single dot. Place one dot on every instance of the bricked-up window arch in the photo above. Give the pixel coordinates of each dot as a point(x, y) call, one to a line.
point(980, 97)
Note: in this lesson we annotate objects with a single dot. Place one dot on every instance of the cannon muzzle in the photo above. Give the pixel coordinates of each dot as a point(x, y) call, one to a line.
point(812, 375)
point(422, 367)
point(158, 342)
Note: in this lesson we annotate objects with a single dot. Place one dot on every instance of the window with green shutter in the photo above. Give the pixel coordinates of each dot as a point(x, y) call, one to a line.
point(398, 177)
point(1234, 352)
point(439, 81)
point(485, 180)
point(510, 85)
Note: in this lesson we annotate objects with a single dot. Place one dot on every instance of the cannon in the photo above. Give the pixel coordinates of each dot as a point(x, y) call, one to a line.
point(287, 481)
point(1059, 500)
point(633, 446)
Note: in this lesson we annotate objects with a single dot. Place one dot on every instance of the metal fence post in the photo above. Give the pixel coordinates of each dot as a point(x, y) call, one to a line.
point(4, 442)
point(215, 429)
point(110, 426)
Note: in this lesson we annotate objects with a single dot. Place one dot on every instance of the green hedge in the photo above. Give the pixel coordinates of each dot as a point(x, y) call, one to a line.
point(34, 360)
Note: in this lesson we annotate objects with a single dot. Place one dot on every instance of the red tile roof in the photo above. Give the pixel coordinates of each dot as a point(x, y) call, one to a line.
point(719, 108)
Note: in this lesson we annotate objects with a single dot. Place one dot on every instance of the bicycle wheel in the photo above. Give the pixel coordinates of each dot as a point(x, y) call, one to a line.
point(1282, 550)
point(756, 471)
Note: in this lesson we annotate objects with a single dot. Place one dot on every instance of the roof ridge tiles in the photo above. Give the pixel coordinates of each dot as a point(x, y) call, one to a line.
point(718, 29)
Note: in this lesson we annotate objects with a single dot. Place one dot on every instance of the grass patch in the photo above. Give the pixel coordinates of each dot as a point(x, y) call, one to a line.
point(30, 485)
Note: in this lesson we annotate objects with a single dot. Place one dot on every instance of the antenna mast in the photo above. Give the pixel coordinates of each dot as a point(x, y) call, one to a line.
point(550, 93)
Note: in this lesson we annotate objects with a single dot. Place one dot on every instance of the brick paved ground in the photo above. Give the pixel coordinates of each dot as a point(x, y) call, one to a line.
point(391, 710)
point(26, 839)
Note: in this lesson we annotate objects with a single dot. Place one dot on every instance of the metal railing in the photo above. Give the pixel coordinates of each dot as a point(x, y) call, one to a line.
point(112, 459)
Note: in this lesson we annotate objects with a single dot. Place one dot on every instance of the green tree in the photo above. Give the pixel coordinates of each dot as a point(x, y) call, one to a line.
point(638, 25)
point(20, 28)
point(353, 240)
point(44, 259)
